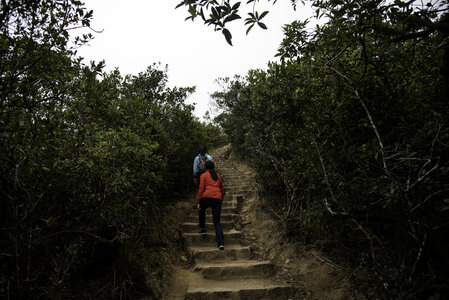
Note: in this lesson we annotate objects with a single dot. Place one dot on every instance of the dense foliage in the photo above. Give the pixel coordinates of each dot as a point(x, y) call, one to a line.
point(87, 159)
point(352, 129)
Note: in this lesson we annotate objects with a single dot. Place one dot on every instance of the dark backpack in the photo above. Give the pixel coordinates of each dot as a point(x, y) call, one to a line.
point(202, 164)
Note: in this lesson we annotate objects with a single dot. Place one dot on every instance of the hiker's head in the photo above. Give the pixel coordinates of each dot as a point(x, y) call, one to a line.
point(209, 165)
point(202, 150)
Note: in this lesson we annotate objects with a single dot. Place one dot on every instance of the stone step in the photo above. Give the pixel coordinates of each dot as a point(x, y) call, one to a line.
point(228, 169)
point(223, 218)
point(227, 187)
point(213, 254)
point(231, 184)
point(249, 289)
point(231, 197)
point(231, 172)
point(235, 190)
point(194, 226)
point(237, 184)
point(225, 210)
point(235, 179)
point(228, 202)
point(244, 194)
point(233, 176)
point(235, 269)
point(231, 237)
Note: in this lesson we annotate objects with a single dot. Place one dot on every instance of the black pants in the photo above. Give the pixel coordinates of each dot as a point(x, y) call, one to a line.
point(216, 212)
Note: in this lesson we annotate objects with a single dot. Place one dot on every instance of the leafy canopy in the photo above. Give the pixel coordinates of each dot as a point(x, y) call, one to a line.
point(410, 19)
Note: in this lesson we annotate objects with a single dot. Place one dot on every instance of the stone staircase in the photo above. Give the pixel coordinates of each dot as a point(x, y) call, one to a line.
point(234, 273)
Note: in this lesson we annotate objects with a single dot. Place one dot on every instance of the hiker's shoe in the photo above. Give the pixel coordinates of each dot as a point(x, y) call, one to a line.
point(221, 247)
point(202, 231)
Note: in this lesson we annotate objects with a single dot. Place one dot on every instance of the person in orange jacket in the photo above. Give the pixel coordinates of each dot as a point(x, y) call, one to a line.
point(211, 194)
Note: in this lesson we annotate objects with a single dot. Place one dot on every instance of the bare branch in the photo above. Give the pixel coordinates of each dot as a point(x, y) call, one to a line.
point(423, 243)
point(339, 54)
point(435, 167)
point(425, 200)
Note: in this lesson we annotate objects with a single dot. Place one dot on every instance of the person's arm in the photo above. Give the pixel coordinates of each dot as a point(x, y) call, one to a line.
point(201, 188)
point(195, 166)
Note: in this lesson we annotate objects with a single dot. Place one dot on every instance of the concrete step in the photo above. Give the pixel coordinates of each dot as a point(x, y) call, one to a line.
point(231, 237)
point(224, 210)
point(194, 226)
point(228, 202)
point(213, 254)
point(230, 198)
point(223, 218)
point(230, 172)
point(235, 179)
point(244, 194)
point(234, 190)
point(232, 176)
point(235, 269)
point(228, 187)
point(228, 169)
point(236, 184)
point(249, 289)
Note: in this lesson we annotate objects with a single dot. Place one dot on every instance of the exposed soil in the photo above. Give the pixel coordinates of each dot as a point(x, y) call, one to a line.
point(307, 270)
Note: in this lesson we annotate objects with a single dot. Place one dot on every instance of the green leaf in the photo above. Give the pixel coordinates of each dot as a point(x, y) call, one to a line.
point(192, 10)
point(249, 21)
point(214, 12)
point(228, 36)
point(202, 14)
point(180, 4)
point(249, 28)
point(236, 6)
point(232, 18)
point(263, 14)
point(262, 25)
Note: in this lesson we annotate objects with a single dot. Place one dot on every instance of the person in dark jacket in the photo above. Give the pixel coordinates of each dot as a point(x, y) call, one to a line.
point(211, 194)
point(199, 164)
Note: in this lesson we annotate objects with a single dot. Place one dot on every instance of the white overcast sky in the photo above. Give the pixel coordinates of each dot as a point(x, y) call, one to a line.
point(138, 33)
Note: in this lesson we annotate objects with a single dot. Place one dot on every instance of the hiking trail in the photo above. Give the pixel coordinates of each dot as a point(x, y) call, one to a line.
point(257, 263)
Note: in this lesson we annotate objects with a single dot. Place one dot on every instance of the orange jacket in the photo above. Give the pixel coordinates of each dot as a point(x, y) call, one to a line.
point(210, 188)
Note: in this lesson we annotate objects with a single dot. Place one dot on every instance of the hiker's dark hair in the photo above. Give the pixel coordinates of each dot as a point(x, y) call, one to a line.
point(210, 167)
point(202, 150)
